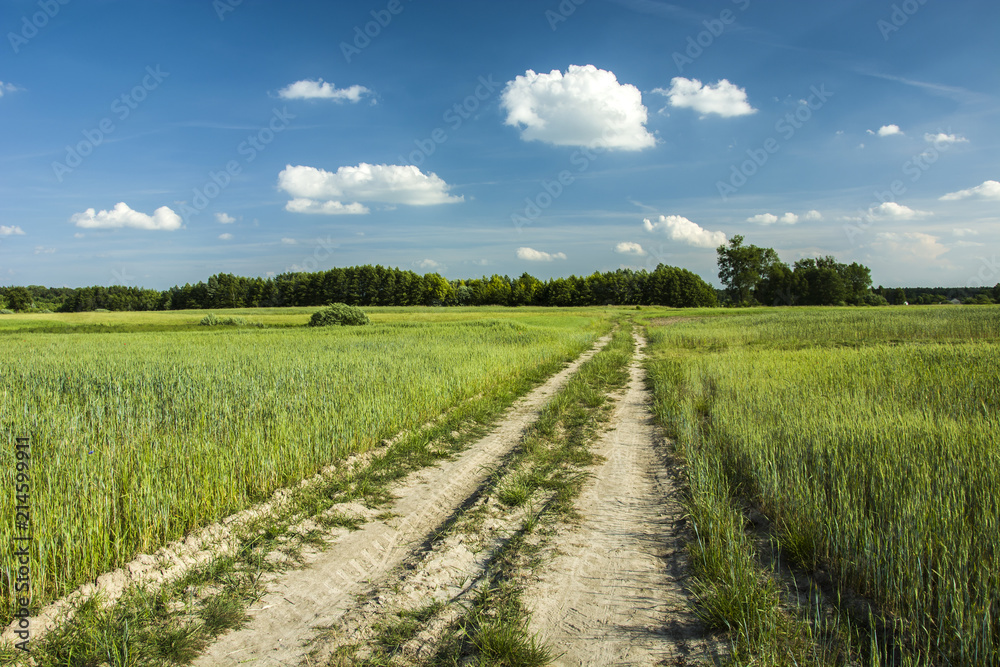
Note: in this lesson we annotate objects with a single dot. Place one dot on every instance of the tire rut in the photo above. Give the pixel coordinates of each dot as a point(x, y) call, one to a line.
point(611, 591)
point(302, 603)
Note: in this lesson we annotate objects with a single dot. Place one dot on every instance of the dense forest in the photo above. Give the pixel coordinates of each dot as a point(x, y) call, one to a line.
point(378, 286)
point(750, 275)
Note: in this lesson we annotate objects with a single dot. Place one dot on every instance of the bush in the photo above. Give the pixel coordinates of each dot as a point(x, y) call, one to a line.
point(211, 320)
point(6, 311)
point(339, 314)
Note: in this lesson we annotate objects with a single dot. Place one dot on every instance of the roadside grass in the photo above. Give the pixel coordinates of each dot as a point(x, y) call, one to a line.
point(212, 599)
point(860, 443)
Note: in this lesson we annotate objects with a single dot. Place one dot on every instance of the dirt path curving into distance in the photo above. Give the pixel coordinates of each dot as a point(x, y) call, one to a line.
point(611, 592)
point(301, 603)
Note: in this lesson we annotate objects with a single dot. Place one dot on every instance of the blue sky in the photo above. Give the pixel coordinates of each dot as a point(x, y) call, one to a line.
point(156, 143)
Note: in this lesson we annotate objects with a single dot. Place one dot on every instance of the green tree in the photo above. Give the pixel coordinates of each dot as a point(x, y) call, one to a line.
point(18, 298)
point(742, 267)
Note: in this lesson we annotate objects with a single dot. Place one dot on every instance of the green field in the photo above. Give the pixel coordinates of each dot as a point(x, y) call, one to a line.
point(870, 440)
point(145, 426)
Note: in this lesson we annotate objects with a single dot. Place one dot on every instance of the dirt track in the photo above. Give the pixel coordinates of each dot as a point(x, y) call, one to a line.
point(612, 593)
point(303, 602)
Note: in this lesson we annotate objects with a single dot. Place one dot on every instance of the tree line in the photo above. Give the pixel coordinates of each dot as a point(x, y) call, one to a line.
point(751, 276)
point(380, 286)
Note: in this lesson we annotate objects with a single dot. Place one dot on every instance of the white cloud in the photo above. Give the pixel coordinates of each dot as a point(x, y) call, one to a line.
point(629, 248)
point(961, 231)
point(584, 107)
point(916, 244)
point(532, 255)
point(288, 241)
point(679, 228)
point(942, 138)
point(42, 250)
point(988, 190)
point(7, 88)
point(888, 131)
point(321, 192)
point(890, 210)
point(163, 219)
point(313, 207)
point(321, 90)
point(11, 230)
point(226, 237)
point(813, 216)
point(722, 98)
point(770, 219)
point(224, 218)
point(428, 264)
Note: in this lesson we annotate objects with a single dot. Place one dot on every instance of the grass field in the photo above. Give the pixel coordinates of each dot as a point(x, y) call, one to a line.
point(144, 426)
point(870, 439)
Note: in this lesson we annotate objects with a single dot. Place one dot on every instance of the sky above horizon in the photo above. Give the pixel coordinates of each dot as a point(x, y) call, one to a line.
point(157, 143)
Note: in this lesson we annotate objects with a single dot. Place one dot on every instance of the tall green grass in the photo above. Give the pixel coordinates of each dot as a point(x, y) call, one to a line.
point(140, 438)
point(871, 439)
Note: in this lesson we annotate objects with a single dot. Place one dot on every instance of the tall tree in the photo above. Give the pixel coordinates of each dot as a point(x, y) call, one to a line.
point(742, 267)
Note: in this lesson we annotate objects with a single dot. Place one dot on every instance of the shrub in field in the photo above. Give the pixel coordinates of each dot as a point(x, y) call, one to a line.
point(339, 314)
point(212, 320)
point(6, 311)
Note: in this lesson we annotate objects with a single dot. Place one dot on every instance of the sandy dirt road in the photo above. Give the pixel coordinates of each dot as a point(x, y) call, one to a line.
point(612, 593)
point(302, 602)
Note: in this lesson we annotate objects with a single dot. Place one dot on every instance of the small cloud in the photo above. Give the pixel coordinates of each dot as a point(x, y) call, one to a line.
point(763, 219)
point(679, 228)
point(321, 90)
point(629, 248)
point(226, 237)
point(789, 219)
point(428, 264)
point(988, 190)
point(42, 250)
point(224, 218)
point(12, 230)
point(380, 183)
point(917, 245)
point(7, 88)
point(313, 207)
point(813, 216)
point(79, 235)
point(959, 231)
point(532, 255)
point(288, 241)
point(163, 219)
point(889, 131)
point(890, 210)
point(942, 138)
point(722, 98)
